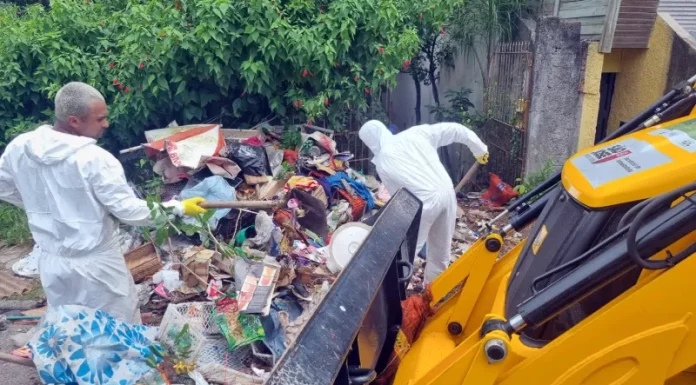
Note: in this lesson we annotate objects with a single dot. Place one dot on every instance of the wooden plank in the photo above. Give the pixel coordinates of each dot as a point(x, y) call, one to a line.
point(640, 2)
point(646, 10)
point(645, 5)
point(636, 16)
point(591, 30)
point(576, 5)
point(636, 11)
point(605, 43)
point(643, 23)
point(628, 38)
point(629, 29)
point(631, 42)
point(583, 12)
point(594, 20)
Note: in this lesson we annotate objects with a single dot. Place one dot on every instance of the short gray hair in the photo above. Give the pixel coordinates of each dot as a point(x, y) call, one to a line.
point(74, 99)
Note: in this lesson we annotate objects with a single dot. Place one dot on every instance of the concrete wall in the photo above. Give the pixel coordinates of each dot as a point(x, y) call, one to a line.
point(682, 64)
point(464, 74)
point(642, 77)
point(594, 63)
point(555, 110)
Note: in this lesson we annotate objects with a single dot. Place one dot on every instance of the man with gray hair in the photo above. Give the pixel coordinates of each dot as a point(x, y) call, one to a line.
point(75, 193)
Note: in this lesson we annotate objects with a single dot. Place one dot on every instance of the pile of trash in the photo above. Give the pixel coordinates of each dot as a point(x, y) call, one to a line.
point(233, 288)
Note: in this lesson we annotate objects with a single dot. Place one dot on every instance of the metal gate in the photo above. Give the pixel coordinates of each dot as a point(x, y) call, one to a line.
point(507, 104)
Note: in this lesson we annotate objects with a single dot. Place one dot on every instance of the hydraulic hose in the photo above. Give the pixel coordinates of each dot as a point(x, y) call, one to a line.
point(653, 206)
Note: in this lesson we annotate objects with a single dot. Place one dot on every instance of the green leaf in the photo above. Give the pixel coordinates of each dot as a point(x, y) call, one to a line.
point(150, 79)
point(162, 83)
point(236, 106)
point(207, 215)
point(181, 88)
point(161, 236)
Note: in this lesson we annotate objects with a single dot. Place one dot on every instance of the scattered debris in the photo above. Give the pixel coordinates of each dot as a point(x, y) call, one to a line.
point(232, 289)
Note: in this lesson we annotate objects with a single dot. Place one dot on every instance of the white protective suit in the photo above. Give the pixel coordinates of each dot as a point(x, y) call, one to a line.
point(409, 159)
point(73, 192)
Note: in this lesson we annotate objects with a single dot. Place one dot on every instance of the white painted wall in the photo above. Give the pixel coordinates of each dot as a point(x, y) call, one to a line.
point(465, 74)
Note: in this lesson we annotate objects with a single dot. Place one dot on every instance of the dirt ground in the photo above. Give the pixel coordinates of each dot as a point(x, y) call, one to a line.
point(12, 373)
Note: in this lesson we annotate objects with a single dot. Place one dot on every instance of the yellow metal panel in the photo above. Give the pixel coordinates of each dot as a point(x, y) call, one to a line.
point(629, 168)
point(474, 284)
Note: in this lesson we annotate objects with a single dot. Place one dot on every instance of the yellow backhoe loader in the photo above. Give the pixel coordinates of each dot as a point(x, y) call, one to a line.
point(603, 291)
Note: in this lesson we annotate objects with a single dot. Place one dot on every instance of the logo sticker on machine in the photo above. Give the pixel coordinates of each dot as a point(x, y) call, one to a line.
point(543, 232)
point(681, 135)
point(618, 160)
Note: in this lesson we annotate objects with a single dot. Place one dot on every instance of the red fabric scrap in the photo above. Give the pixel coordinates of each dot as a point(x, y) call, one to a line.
point(290, 156)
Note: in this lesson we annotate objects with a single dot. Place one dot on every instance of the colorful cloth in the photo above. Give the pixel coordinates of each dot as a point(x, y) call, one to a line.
point(77, 345)
point(335, 182)
point(302, 182)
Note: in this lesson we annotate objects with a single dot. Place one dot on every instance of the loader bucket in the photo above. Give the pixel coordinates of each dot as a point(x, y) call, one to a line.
point(350, 337)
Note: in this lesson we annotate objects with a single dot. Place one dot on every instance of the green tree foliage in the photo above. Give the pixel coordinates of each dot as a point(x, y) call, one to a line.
point(234, 61)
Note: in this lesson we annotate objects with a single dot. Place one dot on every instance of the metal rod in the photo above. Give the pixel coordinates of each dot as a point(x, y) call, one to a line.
point(258, 205)
point(23, 317)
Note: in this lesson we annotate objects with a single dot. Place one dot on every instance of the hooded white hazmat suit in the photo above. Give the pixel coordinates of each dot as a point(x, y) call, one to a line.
point(71, 190)
point(409, 159)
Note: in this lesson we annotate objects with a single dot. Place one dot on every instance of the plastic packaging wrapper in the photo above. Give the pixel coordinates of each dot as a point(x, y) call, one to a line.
point(239, 329)
point(252, 159)
point(170, 278)
point(263, 225)
point(224, 167)
point(275, 159)
point(214, 188)
point(499, 192)
point(185, 145)
point(415, 311)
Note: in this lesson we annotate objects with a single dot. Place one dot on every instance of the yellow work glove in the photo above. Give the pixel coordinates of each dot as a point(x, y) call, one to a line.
point(483, 159)
point(191, 206)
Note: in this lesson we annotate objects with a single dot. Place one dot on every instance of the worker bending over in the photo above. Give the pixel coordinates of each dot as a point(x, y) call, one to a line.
point(74, 193)
point(409, 159)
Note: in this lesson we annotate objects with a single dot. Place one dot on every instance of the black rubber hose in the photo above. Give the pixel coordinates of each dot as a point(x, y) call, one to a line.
point(654, 205)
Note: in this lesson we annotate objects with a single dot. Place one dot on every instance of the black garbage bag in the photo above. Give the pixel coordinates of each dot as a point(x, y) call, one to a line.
point(314, 217)
point(251, 159)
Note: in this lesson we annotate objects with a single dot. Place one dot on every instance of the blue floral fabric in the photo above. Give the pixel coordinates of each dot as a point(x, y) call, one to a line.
point(76, 345)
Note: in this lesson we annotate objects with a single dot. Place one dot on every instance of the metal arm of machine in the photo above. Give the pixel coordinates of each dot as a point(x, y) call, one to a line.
point(612, 260)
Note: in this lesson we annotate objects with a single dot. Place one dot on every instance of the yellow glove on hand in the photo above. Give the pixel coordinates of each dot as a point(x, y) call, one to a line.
point(483, 159)
point(191, 206)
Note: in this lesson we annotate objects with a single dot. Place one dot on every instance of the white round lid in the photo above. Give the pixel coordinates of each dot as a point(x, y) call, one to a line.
point(346, 240)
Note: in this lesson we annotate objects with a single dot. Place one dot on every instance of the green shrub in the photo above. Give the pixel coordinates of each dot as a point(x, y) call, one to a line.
point(14, 228)
point(231, 61)
point(531, 180)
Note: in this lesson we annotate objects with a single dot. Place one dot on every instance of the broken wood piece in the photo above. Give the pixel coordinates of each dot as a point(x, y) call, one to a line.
point(469, 174)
